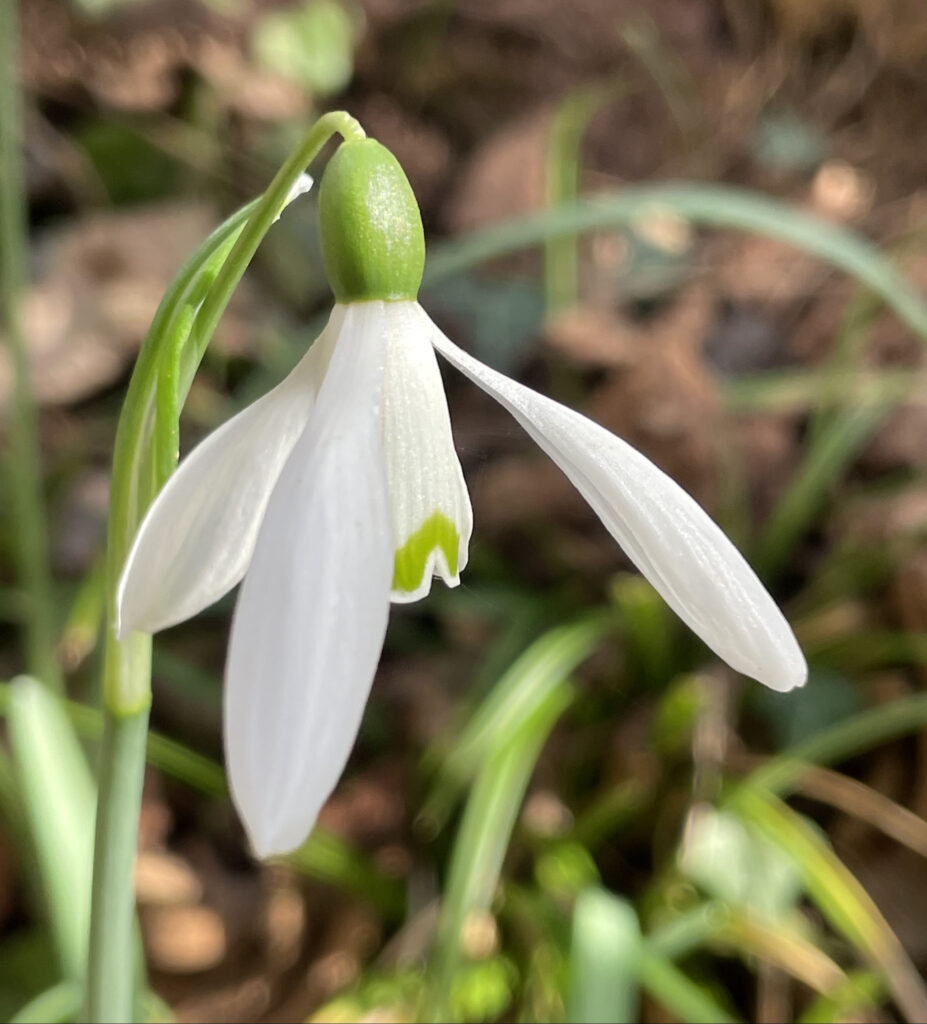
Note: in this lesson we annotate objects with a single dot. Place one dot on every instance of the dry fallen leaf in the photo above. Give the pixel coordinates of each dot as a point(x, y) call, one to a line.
point(164, 879)
point(99, 282)
point(505, 177)
point(184, 940)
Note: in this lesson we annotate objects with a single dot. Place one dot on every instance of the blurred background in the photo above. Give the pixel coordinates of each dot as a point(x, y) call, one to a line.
point(560, 806)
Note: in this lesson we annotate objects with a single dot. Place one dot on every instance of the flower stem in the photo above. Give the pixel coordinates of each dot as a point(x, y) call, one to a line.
point(25, 487)
point(269, 209)
point(145, 454)
point(122, 765)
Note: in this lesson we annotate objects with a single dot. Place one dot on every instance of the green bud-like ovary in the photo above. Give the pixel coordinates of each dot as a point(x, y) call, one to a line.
point(372, 236)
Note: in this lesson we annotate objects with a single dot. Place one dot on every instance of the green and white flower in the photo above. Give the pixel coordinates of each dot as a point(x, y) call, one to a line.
point(340, 491)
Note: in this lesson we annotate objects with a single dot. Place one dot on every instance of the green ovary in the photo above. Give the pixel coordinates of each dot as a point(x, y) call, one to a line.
point(436, 532)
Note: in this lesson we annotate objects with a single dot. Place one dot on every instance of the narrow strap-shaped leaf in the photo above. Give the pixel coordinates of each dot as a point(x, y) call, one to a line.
point(712, 205)
point(604, 959)
point(59, 797)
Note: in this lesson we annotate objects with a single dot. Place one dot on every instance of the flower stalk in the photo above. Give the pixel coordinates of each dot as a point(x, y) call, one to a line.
point(145, 454)
point(24, 458)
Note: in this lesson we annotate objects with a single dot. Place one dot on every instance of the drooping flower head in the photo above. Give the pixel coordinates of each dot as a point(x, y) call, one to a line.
point(340, 491)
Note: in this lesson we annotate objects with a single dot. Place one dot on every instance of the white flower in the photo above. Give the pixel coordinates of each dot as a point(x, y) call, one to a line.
point(340, 491)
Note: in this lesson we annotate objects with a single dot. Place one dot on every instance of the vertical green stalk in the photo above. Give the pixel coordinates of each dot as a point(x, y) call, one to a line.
point(563, 170)
point(144, 455)
point(483, 839)
point(24, 474)
point(110, 974)
point(605, 951)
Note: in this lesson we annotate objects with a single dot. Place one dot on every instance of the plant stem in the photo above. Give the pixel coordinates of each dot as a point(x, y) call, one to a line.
point(145, 453)
point(24, 474)
point(122, 766)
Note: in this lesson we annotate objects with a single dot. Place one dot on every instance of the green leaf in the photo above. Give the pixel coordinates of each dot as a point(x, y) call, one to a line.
point(521, 690)
point(845, 739)
point(483, 990)
point(714, 205)
point(831, 452)
point(681, 707)
point(323, 856)
point(648, 630)
point(604, 959)
point(485, 831)
point(330, 859)
point(793, 391)
point(61, 1002)
point(562, 180)
point(734, 864)
point(856, 999)
point(840, 897)
point(312, 45)
point(132, 169)
point(60, 802)
point(28, 967)
point(565, 869)
point(685, 999)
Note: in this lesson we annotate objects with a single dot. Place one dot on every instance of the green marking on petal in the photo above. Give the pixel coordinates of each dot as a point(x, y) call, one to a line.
point(436, 532)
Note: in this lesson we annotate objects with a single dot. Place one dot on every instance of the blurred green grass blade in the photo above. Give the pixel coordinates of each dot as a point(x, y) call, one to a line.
point(170, 757)
point(734, 865)
point(869, 650)
point(59, 1003)
point(485, 831)
point(856, 999)
point(796, 391)
point(837, 893)
point(563, 171)
point(845, 739)
point(713, 205)
point(324, 856)
point(841, 899)
point(648, 627)
point(187, 765)
point(604, 957)
point(520, 620)
point(22, 450)
point(640, 33)
point(526, 684)
point(152, 1009)
point(60, 801)
point(328, 858)
point(693, 928)
point(675, 991)
point(833, 450)
point(612, 811)
point(82, 627)
point(846, 355)
point(783, 943)
point(185, 680)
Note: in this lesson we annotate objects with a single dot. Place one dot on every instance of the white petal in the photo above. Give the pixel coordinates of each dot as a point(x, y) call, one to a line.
point(312, 611)
point(196, 540)
point(431, 515)
point(668, 536)
point(301, 186)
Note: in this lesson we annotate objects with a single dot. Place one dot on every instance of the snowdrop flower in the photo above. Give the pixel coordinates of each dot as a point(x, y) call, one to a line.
point(340, 491)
